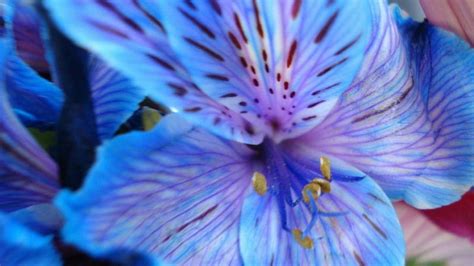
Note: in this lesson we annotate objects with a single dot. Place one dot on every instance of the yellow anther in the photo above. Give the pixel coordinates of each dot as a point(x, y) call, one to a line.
point(314, 189)
point(259, 183)
point(150, 117)
point(325, 166)
point(306, 242)
point(325, 184)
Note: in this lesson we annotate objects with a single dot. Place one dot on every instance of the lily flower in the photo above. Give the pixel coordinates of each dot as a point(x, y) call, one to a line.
point(300, 111)
point(292, 116)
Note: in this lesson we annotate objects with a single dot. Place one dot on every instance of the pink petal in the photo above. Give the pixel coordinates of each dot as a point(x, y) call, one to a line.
point(453, 15)
point(428, 243)
point(457, 218)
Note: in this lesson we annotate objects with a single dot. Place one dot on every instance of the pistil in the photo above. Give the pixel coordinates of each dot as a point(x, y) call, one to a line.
point(282, 175)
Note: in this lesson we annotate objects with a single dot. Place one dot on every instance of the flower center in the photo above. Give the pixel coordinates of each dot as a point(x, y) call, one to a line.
point(283, 175)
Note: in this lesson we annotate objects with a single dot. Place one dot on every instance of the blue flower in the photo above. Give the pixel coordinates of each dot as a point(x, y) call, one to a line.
point(296, 112)
point(28, 175)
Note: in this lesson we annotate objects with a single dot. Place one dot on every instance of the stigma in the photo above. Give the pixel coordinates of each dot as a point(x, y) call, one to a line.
point(305, 242)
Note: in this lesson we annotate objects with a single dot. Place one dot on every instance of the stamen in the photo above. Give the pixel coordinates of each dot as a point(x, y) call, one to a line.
point(314, 217)
point(305, 242)
point(150, 118)
point(325, 166)
point(259, 183)
point(316, 187)
point(315, 190)
point(323, 183)
point(288, 175)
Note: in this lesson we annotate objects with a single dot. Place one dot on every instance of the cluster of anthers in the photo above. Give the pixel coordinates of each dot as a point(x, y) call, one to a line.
point(310, 193)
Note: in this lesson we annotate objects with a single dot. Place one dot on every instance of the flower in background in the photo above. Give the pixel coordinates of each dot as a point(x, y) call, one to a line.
point(428, 243)
point(294, 114)
point(456, 218)
point(454, 15)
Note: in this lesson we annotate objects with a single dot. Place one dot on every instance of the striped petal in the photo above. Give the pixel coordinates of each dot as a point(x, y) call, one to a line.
point(36, 101)
point(21, 246)
point(131, 34)
point(28, 175)
point(407, 120)
point(428, 244)
point(281, 64)
point(356, 225)
point(114, 97)
point(26, 32)
point(181, 201)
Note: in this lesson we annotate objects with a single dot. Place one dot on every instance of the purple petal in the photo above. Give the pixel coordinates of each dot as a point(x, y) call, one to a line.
point(281, 64)
point(28, 175)
point(26, 32)
point(408, 120)
point(180, 202)
point(115, 97)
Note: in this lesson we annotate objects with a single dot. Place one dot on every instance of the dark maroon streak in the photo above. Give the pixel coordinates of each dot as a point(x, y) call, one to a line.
point(326, 28)
point(204, 49)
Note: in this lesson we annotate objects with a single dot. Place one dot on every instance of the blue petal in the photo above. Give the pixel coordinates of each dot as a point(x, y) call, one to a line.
point(174, 191)
point(360, 227)
point(281, 64)
point(20, 246)
point(42, 218)
point(131, 34)
point(114, 97)
point(28, 175)
point(36, 101)
point(408, 119)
